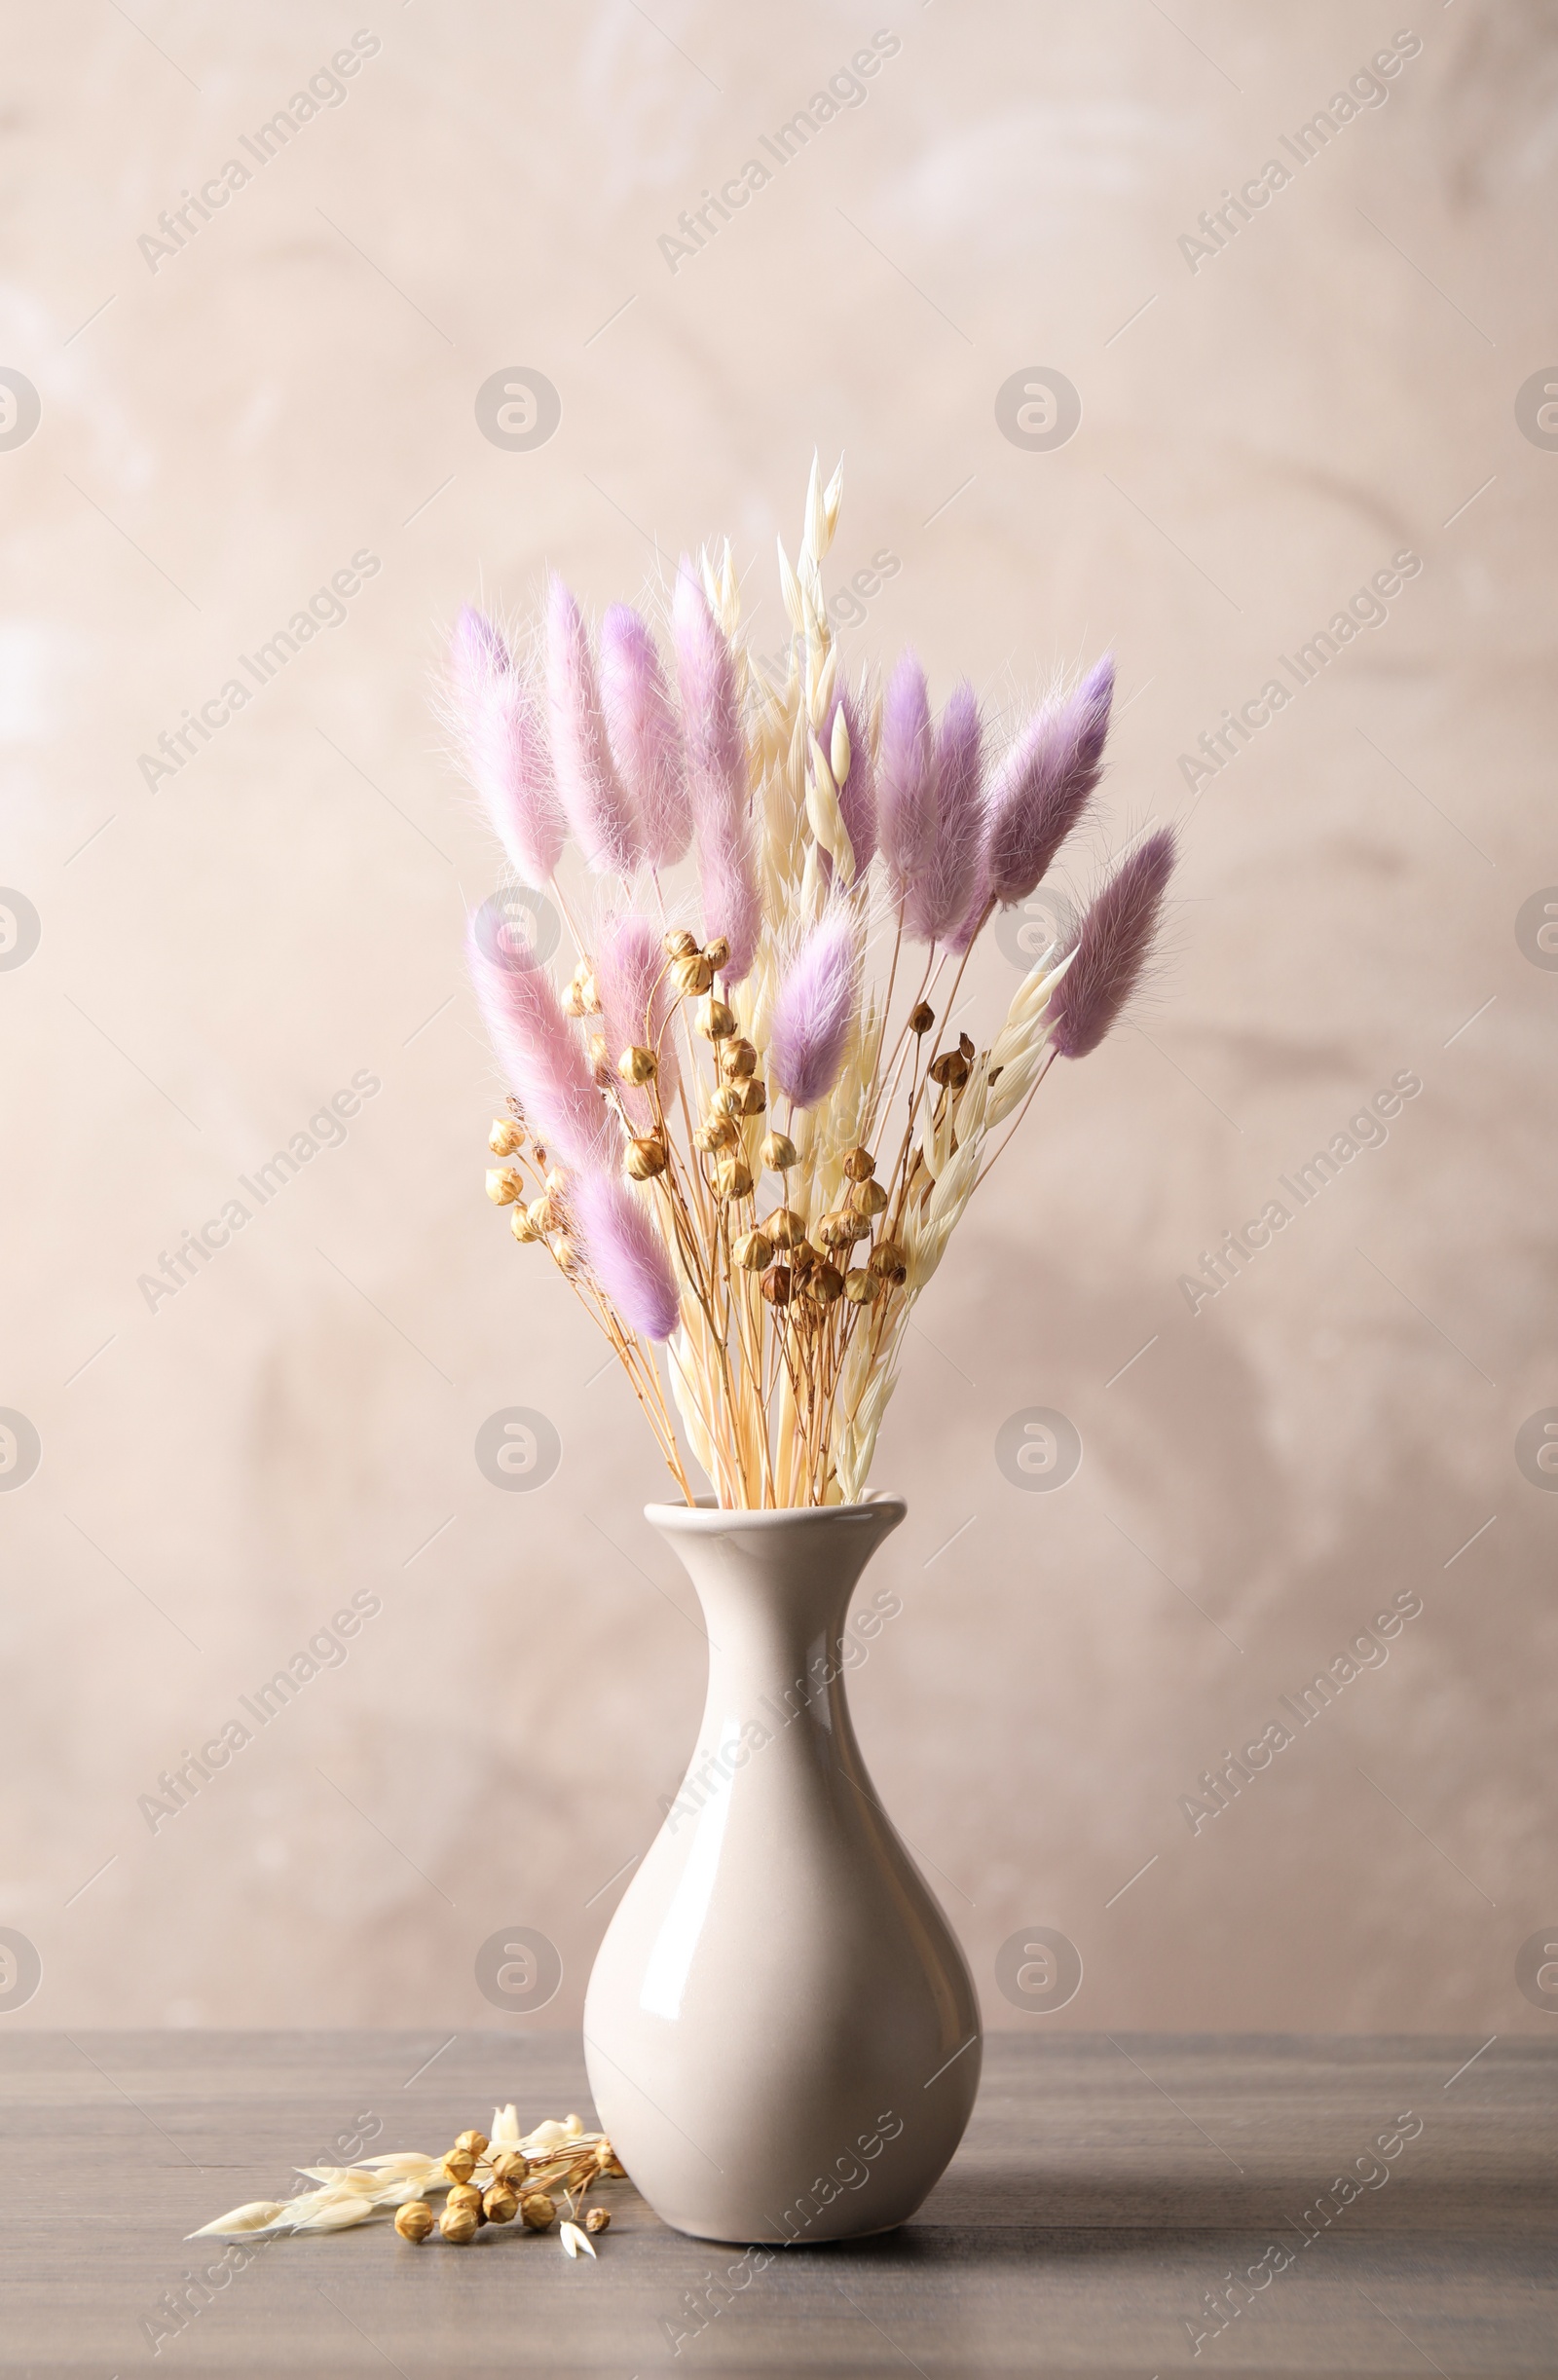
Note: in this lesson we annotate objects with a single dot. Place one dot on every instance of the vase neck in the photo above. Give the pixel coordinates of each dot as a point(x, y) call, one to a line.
point(775, 1589)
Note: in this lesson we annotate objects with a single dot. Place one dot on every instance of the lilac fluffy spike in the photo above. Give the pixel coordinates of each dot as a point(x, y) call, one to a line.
point(625, 1253)
point(716, 774)
point(941, 896)
point(906, 790)
point(857, 795)
point(503, 740)
point(630, 975)
point(808, 1032)
point(543, 1060)
point(643, 733)
point(1112, 949)
point(603, 821)
point(1044, 785)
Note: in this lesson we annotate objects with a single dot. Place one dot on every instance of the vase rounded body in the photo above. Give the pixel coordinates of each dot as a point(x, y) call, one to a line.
point(780, 2030)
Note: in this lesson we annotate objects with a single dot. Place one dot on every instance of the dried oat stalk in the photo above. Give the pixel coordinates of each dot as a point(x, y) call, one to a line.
point(484, 2178)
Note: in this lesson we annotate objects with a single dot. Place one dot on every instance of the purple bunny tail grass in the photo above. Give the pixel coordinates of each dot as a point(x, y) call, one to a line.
point(814, 1010)
point(906, 777)
point(716, 774)
point(1044, 785)
point(542, 1060)
point(1112, 949)
point(857, 795)
point(946, 889)
point(624, 1251)
point(605, 823)
point(645, 734)
point(629, 968)
point(502, 746)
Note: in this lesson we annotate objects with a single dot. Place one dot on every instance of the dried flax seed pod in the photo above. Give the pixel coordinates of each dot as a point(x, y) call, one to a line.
point(715, 1021)
point(415, 2220)
point(837, 1230)
point(476, 2142)
point(824, 1285)
point(950, 1069)
point(751, 1096)
point(691, 975)
point(598, 2219)
point(778, 1153)
point(921, 1016)
point(467, 2194)
point(867, 1197)
point(536, 2210)
point(504, 1184)
point(753, 1251)
point(776, 1284)
point(738, 1059)
point(859, 1163)
point(680, 944)
point(785, 1228)
point(645, 1158)
point(638, 1064)
point(887, 1261)
point(862, 1289)
point(459, 2165)
point(458, 2225)
point(716, 952)
point(509, 2167)
point(733, 1177)
point(520, 1224)
point(507, 1135)
point(501, 2204)
point(719, 1132)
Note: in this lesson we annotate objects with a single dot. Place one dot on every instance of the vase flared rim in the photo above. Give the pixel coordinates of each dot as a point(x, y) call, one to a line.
point(706, 1517)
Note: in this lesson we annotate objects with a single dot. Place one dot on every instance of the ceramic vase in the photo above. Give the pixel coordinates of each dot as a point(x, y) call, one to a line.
point(780, 2030)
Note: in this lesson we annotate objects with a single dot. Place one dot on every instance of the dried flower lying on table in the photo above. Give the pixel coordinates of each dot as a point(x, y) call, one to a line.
point(489, 2180)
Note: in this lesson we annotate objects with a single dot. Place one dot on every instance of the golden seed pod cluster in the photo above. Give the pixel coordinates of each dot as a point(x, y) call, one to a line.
point(485, 2187)
point(803, 1285)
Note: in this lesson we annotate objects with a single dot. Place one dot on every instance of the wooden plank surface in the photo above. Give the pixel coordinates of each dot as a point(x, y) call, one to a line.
point(1106, 2184)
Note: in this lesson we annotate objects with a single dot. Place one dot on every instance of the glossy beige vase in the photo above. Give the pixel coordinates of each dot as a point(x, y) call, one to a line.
point(782, 2033)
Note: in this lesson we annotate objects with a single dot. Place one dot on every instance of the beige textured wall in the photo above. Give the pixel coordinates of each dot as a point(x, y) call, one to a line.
point(220, 956)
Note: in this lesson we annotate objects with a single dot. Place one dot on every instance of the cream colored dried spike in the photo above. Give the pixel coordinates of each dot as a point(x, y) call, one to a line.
point(790, 589)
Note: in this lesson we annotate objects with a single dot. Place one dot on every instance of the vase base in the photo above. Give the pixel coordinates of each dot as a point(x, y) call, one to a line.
point(839, 2239)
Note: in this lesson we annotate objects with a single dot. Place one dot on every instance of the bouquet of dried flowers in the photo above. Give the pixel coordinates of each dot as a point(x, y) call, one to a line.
point(748, 1143)
point(485, 2179)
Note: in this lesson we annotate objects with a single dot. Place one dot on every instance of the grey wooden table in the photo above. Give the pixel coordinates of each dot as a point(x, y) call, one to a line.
point(1107, 2186)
